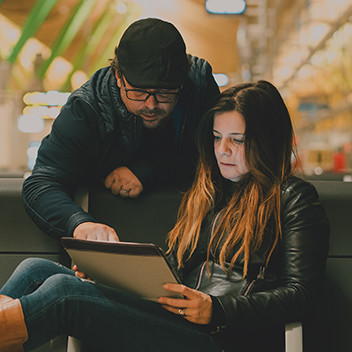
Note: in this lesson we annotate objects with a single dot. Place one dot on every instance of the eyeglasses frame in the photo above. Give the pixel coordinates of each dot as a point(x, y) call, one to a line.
point(149, 94)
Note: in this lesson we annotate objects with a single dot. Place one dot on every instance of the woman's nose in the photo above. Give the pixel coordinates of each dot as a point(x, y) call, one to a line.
point(224, 147)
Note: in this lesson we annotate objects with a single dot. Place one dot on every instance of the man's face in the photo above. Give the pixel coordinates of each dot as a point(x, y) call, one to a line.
point(152, 112)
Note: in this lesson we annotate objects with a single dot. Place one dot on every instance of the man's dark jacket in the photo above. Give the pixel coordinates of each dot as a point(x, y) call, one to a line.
point(95, 133)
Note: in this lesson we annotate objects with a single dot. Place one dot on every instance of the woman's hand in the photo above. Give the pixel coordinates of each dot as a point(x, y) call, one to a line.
point(196, 307)
point(79, 273)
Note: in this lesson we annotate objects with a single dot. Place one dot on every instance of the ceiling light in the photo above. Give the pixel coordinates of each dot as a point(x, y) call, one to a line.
point(226, 7)
point(30, 124)
point(221, 79)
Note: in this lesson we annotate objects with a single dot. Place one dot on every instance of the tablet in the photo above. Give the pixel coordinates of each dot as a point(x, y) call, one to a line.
point(138, 268)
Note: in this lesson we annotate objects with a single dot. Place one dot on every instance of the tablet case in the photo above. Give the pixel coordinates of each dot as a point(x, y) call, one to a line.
point(138, 268)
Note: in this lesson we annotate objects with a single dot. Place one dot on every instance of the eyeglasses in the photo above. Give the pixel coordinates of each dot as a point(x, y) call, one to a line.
point(143, 95)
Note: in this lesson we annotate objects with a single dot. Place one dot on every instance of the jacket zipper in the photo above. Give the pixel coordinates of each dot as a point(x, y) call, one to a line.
point(245, 293)
point(200, 276)
point(204, 264)
point(259, 276)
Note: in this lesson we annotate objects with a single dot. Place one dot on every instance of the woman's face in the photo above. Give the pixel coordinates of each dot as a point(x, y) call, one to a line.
point(228, 129)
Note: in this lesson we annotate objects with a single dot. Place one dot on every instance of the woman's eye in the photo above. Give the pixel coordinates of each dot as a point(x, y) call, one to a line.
point(217, 138)
point(238, 141)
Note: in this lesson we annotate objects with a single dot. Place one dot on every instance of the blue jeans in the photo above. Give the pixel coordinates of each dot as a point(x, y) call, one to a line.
point(55, 302)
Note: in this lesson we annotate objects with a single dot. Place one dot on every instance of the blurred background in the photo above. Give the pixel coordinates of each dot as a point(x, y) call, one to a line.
point(50, 47)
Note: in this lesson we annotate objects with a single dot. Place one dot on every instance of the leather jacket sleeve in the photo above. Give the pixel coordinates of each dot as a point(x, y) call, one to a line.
point(299, 264)
point(61, 165)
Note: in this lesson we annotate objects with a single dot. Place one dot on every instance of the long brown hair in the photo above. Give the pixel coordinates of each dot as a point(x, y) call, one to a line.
point(254, 207)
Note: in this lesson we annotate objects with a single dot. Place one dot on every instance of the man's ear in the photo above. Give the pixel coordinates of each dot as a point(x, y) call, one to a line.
point(118, 79)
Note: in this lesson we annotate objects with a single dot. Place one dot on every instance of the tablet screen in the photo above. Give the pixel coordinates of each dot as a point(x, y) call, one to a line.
point(139, 268)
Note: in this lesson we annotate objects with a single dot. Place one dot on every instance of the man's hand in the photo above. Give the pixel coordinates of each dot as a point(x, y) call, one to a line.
point(123, 182)
point(95, 232)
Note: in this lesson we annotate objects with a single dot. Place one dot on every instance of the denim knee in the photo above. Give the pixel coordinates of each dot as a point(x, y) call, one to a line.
point(30, 264)
point(70, 289)
point(63, 294)
point(30, 274)
point(62, 285)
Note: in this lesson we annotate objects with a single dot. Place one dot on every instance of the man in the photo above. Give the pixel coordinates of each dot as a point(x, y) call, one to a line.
point(130, 126)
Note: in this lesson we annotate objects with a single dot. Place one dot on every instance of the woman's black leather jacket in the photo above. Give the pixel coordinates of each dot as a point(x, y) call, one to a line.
point(297, 266)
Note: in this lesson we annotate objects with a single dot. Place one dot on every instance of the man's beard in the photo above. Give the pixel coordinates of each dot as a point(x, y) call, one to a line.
point(146, 111)
point(152, 124)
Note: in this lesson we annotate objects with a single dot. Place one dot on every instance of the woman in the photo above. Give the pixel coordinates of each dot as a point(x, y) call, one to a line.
point(250, 244)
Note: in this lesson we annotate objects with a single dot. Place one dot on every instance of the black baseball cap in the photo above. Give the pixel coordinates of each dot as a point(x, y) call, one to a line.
point(152, 54)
